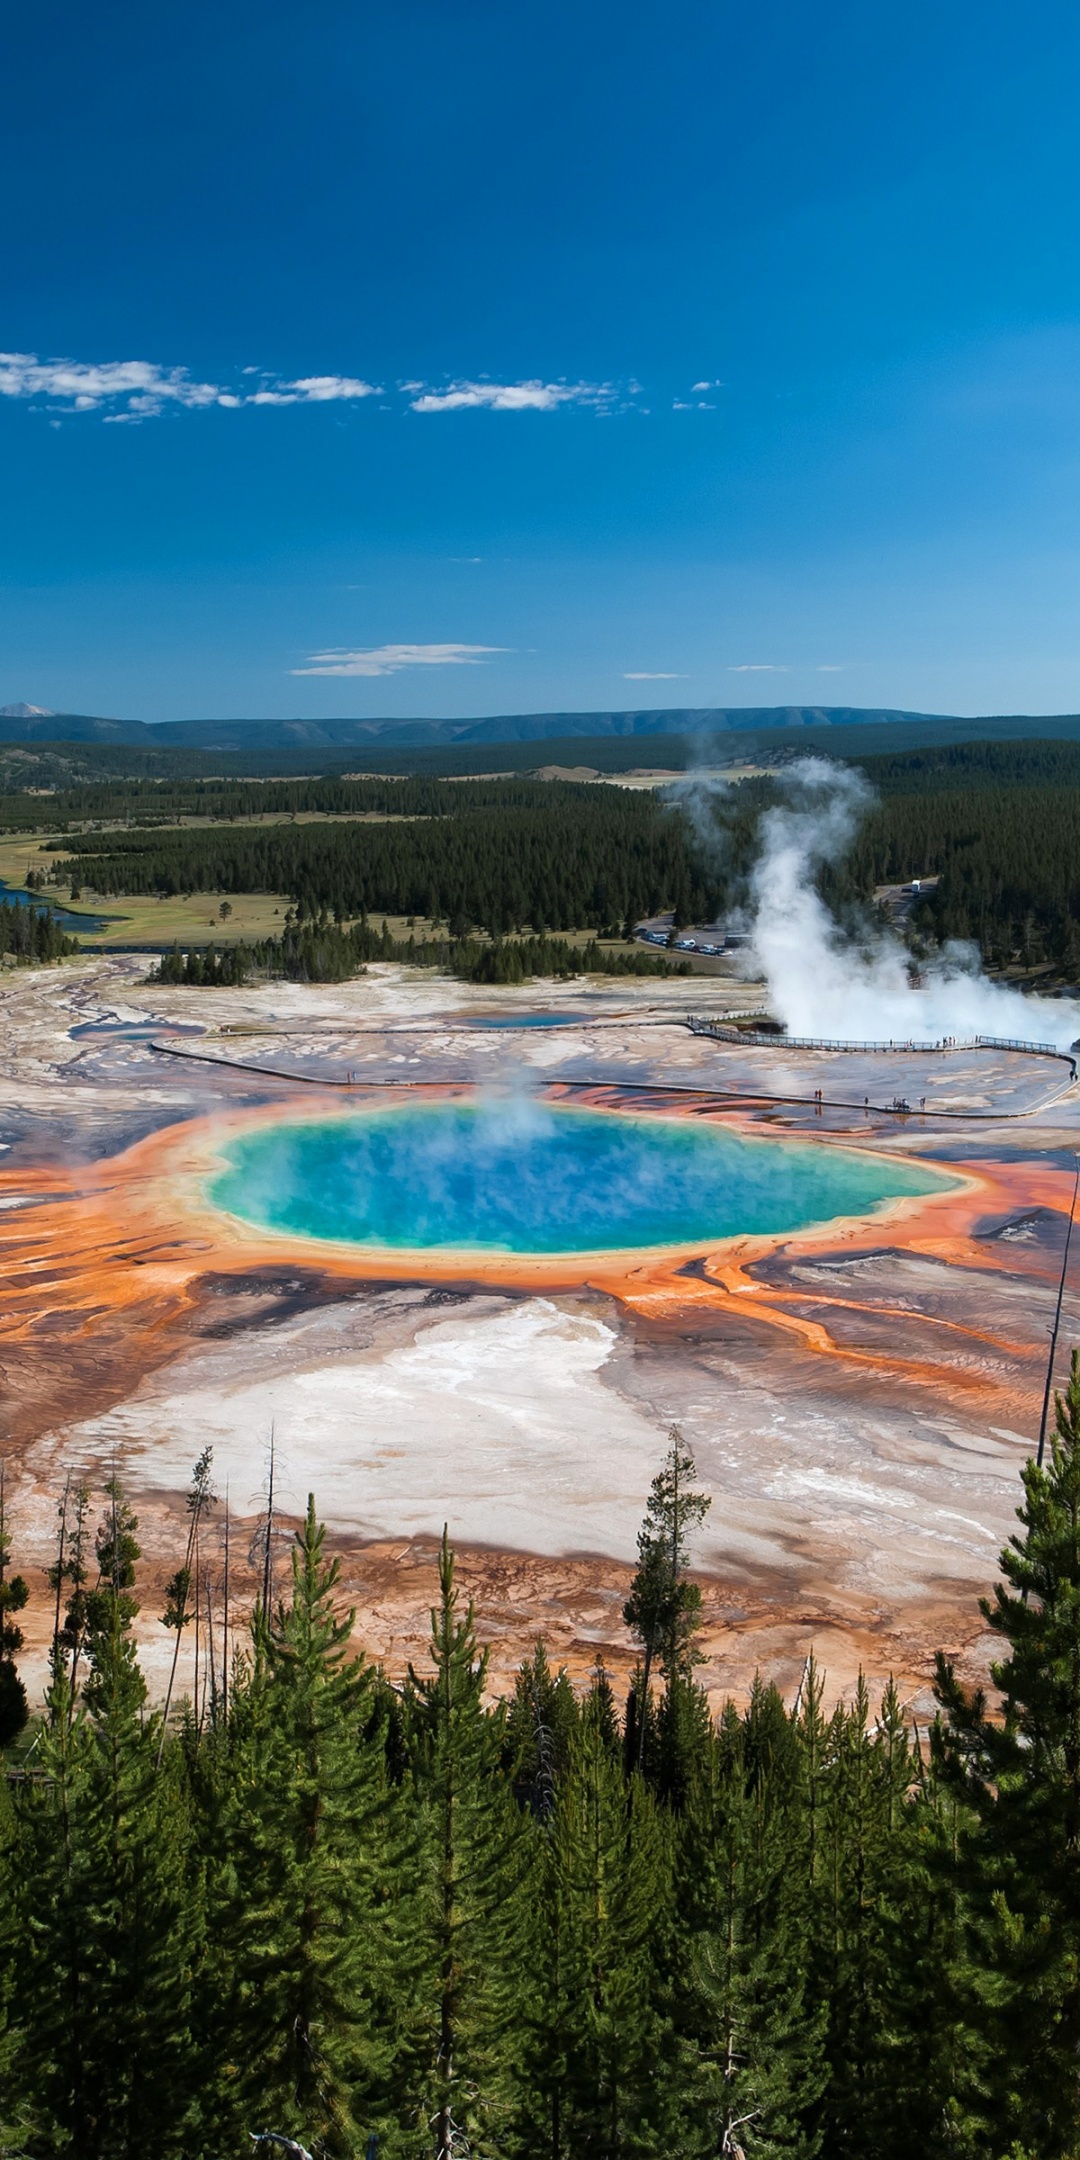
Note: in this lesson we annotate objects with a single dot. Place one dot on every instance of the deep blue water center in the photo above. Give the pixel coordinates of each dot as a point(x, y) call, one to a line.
point(529, 1178)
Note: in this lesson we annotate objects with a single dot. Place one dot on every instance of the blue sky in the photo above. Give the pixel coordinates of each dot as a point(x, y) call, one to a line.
point(452, 358)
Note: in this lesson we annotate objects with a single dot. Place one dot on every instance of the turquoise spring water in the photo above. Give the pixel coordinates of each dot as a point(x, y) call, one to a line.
point(529, 1178)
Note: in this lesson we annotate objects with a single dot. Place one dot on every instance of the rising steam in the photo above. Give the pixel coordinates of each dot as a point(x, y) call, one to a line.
point(823, 982)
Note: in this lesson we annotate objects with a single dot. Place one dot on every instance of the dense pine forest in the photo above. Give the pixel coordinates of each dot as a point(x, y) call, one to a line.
point(328, 795)
point(382, 1919)
point(507, 854)
point(996, 824)
point(999, 825)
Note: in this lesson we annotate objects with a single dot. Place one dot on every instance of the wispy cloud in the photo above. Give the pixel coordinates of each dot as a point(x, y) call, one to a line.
point(141, 389)
point(390, 659)
point(699, 395)
point(534, 396)
point(315, 390)
point(758, 667)
point(84, 386)
point(651, 675)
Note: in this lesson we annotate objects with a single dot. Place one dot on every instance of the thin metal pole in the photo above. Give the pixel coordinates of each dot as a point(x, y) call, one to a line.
point(1057, 1320)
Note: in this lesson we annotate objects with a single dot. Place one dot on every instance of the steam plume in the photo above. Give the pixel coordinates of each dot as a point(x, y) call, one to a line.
point(822, 982)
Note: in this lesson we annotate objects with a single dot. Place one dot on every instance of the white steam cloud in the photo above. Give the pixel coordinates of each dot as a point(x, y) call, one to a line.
point(823, 982)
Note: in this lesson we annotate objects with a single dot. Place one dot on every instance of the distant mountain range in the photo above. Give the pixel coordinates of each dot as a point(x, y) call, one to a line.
point(32, 723)
point(841, 725)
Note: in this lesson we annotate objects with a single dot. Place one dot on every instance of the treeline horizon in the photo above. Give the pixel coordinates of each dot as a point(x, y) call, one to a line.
point(384, 1920)
point(64, 766)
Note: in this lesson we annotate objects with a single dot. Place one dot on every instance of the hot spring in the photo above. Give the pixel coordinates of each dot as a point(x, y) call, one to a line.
point(505, 1178)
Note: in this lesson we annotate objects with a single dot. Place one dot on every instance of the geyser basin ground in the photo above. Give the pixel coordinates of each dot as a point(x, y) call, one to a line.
point(539, 1179)
point(860, 1395)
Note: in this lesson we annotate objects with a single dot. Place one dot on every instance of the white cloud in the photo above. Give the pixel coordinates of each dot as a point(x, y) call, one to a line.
point(651, 675)
point(323, 389)
point(85, 386)
point(314, 390)
point(698, 389)
point(832, 667)
point(507, 397)
point(389, 659)
point(759, 667)
point(140, 389)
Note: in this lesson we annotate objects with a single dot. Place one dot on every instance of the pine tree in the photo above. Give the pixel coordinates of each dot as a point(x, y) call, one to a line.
point(14, 1594)
point(751, 2034)
point(540, 1725)
point(546, 2010)
point(870, 1889)
point(664, 1606)
point(109, 1609)
point(69, 1620)
point(476, 1860)
point(604, 2085)
point(111, 1912)
point(1016, 1771)
point(179, 1609)
point(682, 1741)
point(302, 2007)
point(14, 2121)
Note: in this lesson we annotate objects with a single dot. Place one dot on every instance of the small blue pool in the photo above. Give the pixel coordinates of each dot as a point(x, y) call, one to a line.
point(530, 1020)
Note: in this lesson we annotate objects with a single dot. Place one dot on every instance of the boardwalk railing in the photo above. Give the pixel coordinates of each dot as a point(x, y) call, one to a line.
point(724, 1031)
